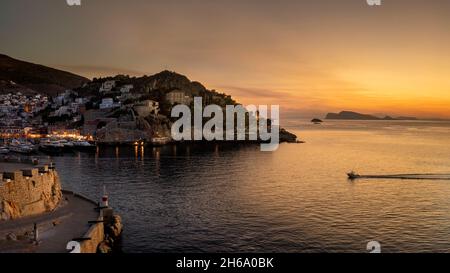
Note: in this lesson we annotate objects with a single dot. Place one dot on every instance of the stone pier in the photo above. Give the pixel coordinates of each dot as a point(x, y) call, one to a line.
point(31, 195)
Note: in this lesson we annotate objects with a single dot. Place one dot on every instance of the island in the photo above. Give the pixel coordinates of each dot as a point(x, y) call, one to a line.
point(349, 115)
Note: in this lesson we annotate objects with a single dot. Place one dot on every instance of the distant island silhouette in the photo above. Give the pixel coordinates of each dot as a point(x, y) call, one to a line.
point(349, 115)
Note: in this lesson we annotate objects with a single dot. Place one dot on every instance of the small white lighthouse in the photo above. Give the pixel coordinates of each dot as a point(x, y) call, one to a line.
point(105, 198)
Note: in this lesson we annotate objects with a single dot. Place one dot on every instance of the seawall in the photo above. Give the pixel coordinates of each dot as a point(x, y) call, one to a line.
point(104, 232)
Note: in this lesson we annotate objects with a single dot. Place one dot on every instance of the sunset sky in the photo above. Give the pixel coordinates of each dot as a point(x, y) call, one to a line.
point(311, 57)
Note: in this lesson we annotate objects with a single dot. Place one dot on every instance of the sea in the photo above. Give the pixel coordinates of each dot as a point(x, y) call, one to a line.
point(234, 198)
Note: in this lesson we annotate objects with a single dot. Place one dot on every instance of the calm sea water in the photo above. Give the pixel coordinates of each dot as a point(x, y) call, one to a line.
point(297, 199)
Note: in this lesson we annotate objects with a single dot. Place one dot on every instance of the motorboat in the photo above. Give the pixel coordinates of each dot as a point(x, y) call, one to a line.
point(83, 145)
point(52, 147)
point(352, 175)
point(21, 147)
point(4, 150)
point(68, 145)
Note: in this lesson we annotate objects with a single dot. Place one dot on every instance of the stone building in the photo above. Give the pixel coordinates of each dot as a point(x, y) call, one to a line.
point(146, 108)
point(178, 97)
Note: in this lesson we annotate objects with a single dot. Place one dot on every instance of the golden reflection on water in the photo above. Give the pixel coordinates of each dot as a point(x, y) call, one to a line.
point(174, 150)
point(117, 152)
point(157, 157)
point(305, 185)
point(295, 199)
point(216, 150)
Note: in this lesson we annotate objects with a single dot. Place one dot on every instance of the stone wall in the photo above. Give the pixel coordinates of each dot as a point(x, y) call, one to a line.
point(104, 236)
point(96, 233)
point(28, 192)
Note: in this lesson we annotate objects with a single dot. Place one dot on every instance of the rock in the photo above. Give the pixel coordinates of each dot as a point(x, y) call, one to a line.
point(115, 228)
point(104, 248)
point(9, 210)
point(288, 137)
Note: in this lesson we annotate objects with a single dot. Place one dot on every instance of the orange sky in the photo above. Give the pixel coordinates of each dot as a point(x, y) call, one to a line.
point(311, 57)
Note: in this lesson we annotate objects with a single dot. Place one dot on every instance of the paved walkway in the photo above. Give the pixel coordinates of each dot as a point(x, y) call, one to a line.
point(72, 222)
point(12, 167)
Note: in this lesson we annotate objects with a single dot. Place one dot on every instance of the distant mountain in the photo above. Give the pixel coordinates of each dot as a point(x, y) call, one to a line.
point(25, 77)
point(406, 118)
point(348, 115)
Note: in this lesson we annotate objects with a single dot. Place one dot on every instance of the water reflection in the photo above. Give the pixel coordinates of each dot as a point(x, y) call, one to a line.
point(234, 198)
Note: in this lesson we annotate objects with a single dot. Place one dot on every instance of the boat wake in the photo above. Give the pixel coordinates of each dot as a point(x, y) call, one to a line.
point(420, 176)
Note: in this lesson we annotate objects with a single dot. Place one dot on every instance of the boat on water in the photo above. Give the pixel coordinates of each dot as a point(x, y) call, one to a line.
point(82, 145)
point(68, 145)
point(418, 176)
point(52, 147)
point(352, 175)
point(4, 150)
point(21, 147)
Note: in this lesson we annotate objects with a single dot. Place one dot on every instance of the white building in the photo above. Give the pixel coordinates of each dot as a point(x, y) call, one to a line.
point(5, 108)
point(126, 88)
point(107, 103)
point(107, 86)
point(62, 99)
point(81, 100)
